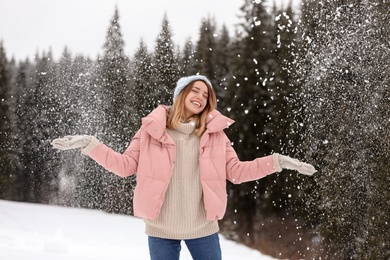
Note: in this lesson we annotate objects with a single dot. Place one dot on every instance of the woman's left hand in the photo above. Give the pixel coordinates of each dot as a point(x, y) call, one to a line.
point(287, 162)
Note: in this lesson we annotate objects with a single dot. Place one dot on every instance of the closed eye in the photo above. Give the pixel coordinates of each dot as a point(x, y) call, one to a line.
point(196, 90)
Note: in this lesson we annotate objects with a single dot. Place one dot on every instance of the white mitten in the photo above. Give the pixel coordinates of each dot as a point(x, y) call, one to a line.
point(71, 142)
point(287, 162)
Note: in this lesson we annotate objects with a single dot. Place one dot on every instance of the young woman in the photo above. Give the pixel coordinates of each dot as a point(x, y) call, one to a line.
point(182, 159)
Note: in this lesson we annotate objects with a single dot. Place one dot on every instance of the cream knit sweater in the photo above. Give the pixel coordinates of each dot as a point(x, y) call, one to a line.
point(183, 215)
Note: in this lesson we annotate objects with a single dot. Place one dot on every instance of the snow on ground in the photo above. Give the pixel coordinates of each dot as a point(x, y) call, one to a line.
point(35, 231)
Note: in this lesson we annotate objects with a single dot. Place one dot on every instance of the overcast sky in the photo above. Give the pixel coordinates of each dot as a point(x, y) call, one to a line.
point(31, 26)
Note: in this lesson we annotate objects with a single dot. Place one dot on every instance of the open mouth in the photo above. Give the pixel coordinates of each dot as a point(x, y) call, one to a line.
point(196, 103)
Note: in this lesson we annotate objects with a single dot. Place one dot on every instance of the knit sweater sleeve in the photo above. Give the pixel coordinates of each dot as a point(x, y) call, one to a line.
point(243, 171)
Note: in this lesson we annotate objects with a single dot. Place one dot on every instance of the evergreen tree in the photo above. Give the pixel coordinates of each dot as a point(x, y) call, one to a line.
point(69, 94)
point(285, 29)
point(165, 64)
point(21, 85)
point(66, 92)
point(377, 245)
point(345, 82)
point(205, 55)
point(87, 180)
point(25, 114)
point(256, 99)
point(86, 91)
point(145, 99)
point(306, 29)
point(117, 110)
point(223, 60)
point(212, 56)
point(6, 122)
point(115, 89)
point(187, 66)
point(41, 172)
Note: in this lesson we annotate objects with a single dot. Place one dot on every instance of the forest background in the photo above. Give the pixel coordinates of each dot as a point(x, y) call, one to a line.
point(310, 83)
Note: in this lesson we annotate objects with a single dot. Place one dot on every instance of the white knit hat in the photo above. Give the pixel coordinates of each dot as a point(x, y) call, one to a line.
point(185, 81)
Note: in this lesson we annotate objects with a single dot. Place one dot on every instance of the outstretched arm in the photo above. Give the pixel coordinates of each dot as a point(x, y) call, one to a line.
point(123, 165)
point(238, 171)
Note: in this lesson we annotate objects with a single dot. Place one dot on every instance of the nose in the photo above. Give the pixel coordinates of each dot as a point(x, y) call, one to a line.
point(200, 96)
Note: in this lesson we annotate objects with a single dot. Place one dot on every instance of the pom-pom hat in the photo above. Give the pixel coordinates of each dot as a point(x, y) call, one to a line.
point(185, 81)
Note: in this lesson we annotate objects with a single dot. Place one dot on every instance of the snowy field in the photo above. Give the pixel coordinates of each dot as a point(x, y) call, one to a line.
point(33, 231)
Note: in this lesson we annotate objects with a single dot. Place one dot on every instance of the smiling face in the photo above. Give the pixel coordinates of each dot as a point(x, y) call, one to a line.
point(194, 103)
point(196, 100)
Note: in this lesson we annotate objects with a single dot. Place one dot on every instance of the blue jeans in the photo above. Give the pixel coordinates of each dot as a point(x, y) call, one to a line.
point(204, 248)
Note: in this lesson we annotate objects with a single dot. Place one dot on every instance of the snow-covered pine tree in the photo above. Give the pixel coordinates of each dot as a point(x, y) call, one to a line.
point(205, 55)
point(377, 244)
point(166, 68)
point(69, 113)
point(212, 55)
point(21, 129)
point(41, 171)
point(65, 90)
point(145, 98)
point(6, 115)
point(284, 37)
point(256, 99)
point(251, 99)
point(223, 59)
point(186, 63)
point(345, 93)
point(115, 87)
point(116, 120)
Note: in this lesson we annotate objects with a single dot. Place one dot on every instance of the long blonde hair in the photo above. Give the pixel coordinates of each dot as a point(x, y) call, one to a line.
point(176, 112)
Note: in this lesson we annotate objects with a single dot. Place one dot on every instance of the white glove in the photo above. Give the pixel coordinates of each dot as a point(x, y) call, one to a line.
point(71, 142)
point(293, 164)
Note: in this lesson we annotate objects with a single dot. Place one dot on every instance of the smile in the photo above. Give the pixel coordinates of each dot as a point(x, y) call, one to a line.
point(196, 103)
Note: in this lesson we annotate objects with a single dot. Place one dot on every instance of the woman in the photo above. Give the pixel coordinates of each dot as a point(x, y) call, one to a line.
point(182, 159)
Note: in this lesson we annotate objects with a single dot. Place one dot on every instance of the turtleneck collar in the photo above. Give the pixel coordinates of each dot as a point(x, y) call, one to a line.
point(186, 128)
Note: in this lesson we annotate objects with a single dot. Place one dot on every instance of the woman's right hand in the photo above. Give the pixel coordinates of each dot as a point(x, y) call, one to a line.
point(71, 142)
